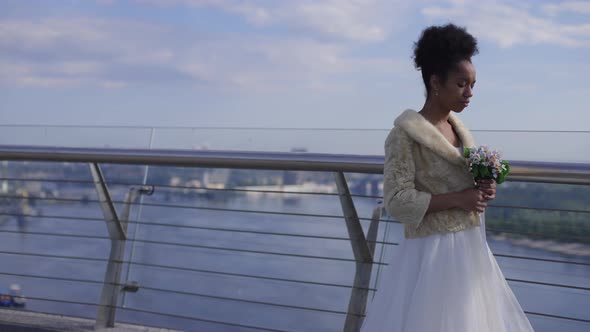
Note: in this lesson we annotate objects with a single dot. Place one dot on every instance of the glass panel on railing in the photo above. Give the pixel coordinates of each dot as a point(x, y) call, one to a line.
point(559, 146)
point(538, 146)
point(340, 141)
point(95, 137)
point(53, 236)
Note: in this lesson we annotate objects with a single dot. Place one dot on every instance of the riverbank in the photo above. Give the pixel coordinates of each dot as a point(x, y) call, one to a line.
point(573, 249)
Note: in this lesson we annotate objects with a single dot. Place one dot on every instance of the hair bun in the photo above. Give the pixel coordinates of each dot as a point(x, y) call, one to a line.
point(440, 47)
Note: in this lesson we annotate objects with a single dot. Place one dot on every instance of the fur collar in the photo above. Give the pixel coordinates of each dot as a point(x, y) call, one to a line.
point(425, 133)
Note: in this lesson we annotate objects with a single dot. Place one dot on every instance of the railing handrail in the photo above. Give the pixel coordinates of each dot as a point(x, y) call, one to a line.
point(527, 171)
point(8, 125)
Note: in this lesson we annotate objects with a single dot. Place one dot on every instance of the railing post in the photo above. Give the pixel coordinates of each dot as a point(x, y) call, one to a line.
point(372, 236)
point(139, 210)
point(374, 229)
point(105, 316)
point(362, 253)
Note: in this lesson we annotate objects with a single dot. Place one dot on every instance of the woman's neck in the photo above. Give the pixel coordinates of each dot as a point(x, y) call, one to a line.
point(434, 113)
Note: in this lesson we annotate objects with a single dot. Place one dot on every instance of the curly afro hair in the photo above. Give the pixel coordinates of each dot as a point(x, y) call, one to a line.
point(440, 48)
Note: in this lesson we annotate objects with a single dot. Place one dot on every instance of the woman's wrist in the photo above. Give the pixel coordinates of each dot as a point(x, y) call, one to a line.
point(455, 198)
point(442, 202)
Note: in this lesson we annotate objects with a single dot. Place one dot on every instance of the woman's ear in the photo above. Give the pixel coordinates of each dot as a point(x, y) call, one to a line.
point(434, 84)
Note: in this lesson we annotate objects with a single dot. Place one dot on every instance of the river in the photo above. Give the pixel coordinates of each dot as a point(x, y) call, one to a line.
point(535, 298)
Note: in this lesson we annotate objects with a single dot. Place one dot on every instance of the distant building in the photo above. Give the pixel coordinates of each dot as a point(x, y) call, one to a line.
point(299, 149)
point(216, 178)
point(294, 177)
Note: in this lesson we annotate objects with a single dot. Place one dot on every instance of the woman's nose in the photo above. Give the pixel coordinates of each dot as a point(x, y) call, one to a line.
point(468, 92)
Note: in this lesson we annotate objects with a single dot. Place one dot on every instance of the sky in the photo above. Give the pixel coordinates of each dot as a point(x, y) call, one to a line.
point(286, 64)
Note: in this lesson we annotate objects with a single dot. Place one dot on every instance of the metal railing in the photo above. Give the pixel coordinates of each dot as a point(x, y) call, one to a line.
point(363, 245)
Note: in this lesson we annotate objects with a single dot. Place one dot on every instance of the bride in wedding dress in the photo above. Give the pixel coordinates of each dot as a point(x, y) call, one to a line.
point(443, 276)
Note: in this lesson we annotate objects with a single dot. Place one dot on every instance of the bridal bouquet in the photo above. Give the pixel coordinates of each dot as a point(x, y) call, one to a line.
point(485, 163)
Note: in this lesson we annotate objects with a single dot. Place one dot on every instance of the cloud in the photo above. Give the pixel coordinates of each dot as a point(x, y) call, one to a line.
point(352, 20)
point(78, 51)
point(511, 25)
point(115, 53)
point(578, 7)
point(363, 21)
point(264, 63)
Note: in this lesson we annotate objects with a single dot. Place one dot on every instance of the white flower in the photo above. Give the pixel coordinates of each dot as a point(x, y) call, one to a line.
point(483, 156)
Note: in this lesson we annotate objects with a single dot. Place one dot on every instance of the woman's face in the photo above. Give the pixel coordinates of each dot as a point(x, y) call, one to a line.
point(455, 93)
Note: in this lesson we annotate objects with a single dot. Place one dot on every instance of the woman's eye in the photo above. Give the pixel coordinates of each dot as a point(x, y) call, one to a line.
point(461, 85)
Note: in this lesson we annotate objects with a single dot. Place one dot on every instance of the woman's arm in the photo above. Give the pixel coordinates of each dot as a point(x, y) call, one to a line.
point(470, 199)
point(400, 197)
point(473, 199)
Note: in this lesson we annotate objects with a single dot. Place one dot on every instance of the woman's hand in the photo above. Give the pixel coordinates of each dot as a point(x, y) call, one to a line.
point(488, 189)
point(471, 200)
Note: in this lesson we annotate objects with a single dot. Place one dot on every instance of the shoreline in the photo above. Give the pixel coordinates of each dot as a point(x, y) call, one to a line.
point(572, 249)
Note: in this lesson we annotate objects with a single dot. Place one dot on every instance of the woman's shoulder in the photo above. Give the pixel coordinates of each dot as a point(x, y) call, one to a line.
point(398, 136)
point(408, 115)
point(398, 132)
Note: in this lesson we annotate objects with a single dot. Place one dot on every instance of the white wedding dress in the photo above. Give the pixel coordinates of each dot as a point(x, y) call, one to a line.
point(444, 283)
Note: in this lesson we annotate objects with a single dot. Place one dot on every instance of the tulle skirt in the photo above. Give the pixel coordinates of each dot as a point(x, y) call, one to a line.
point(444, 283)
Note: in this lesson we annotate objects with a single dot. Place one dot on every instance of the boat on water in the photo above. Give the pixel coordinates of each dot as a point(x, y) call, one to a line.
point(12, 297)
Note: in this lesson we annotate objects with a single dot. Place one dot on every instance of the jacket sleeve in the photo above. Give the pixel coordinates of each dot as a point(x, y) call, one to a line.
point(401, 199)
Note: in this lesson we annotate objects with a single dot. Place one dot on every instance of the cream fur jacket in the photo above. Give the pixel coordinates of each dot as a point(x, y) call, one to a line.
point(420, 162)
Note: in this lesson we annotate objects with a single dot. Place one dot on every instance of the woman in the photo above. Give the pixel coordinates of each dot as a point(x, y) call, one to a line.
point(443, 276)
